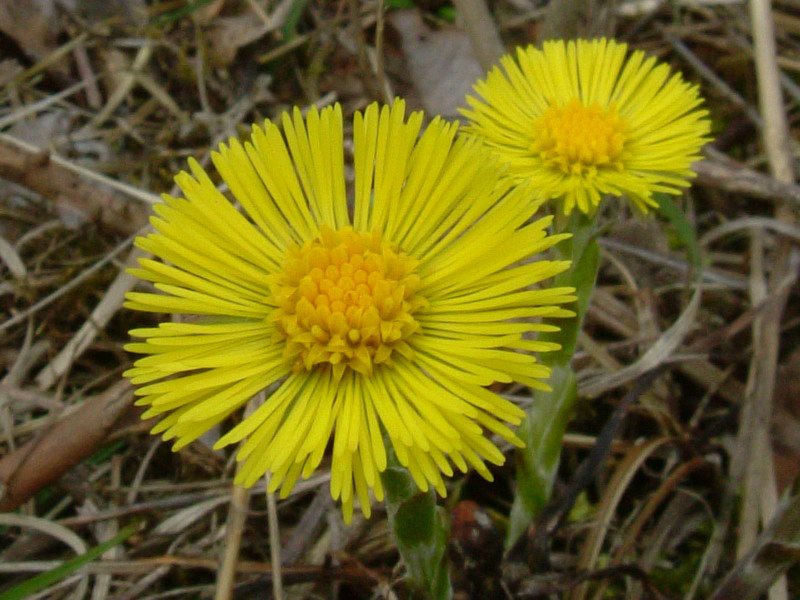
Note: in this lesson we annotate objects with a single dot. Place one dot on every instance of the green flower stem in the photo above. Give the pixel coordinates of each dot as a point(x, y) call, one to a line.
point(420, 532)
point(543, 430)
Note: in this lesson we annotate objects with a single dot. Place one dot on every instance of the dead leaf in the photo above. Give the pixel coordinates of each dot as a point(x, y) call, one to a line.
point(206, 14)
point(31, 24)
point(116, 12)
point(185, 518)
point(76, 199)
point(786, 422)
point(9, 68)
point(441, 63)
point(228, 34)
point(45, 130)
point(60, 447)
point(644, 234)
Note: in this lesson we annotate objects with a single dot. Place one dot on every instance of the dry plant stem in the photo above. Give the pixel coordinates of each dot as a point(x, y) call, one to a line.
point(52, 59)
point(274, 543)
point(656, 355)
point(380, 70)
point(709, 276)
point(35, 107)
point(612, 495)
point(54, 158)
point(782, 227)
point(632, 534)
point(105, 532)
point(122, 91)
point(29, 353)
point(68, 191)
point(257, 8)
point(12, 260)
point(776, 138)
point(133, 489)
point(57, 531)
point(200, 69)
point(62, 446)
point(569, 19)
point(708, 74)
point(101, 315)
point(757, 411)
point(84, 65)
point(19, 317)
point(774, 552)
point(482, 31)
point(184, 500)
point(355, 574)
point(237, 516)
point(307, 529)
point(556, 512)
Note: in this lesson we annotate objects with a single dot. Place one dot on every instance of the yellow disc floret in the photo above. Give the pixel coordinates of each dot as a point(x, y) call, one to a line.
point(345, 298)
point(578, 139)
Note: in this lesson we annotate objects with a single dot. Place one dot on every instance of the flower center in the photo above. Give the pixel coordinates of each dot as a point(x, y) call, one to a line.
point(347, 299)
point(577, 139)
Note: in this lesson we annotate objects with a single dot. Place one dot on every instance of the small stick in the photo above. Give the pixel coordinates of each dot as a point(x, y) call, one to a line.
point(35, 107)
point(237, 516)
point(84, 65)
point(21, 316)
point(726, 174)
point(757, 410)
point(119, 95)
point(482, 31)
point(380, 71)
point(54, 158)
point(107, 307)
point(274, 543)
point(706, 73)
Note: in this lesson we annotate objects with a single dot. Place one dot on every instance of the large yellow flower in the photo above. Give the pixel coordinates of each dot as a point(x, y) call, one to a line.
point(380, 310)
point(578, 120)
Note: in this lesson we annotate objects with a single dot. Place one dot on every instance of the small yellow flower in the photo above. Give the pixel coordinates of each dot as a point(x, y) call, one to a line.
point(376, 311)
point(577, 120)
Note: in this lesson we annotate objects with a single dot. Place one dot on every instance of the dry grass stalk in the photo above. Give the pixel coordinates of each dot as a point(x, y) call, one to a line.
point(759, 495)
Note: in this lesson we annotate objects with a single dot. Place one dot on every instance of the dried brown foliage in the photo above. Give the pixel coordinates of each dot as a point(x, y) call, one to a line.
point(100, 103)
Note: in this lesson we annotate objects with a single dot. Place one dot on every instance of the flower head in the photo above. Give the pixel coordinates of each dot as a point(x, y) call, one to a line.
point(379, 311)
point(578, 120)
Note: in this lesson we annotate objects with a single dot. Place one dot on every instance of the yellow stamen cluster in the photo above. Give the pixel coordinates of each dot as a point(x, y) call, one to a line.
point(347, 299)
point(577, 139)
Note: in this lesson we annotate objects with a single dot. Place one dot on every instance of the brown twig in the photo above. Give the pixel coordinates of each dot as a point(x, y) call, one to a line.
point(68, 191)
point(774, 552)
point(237, 515)
point(553, 515)
point(62, 446)
point(720, 172)
point(482, 31)
point(757, 411)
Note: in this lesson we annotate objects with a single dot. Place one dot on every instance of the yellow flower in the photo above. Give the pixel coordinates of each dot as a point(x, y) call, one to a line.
point(381, 309)
point(577, 120)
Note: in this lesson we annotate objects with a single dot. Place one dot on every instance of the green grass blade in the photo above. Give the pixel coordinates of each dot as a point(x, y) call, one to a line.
point(33, 585)
point(180, 13)
point(683, 228)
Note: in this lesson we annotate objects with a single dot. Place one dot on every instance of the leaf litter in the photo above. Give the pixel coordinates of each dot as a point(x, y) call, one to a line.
point(101, 104)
